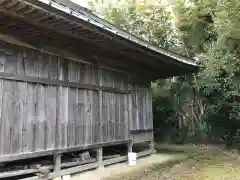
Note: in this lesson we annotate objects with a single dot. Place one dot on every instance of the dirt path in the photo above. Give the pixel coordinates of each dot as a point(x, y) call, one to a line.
point(202, 163)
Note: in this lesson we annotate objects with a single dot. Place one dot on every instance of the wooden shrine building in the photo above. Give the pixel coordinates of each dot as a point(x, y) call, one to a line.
point(70, 81)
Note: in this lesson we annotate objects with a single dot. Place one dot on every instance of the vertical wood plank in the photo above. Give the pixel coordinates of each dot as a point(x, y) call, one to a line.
point(64, 103)
point(11, 67)
point(137, 108)
point(30, 127)
point(65, 119)
point(147, 110)
point(96, 118)
point(113, 110)
point(78, 117)
point(7, 116)
point(59, 109)
point(51, 105)
point(91, 134)
point(21, 89)
point(22, 86)
point(150, 109)
point(86, 119)
point(100, 101)
point(88, 109)
point(133, 97)
point(140, 108)
point(2, 120)
point(88, 123)
point(16, 133)
point(25, 105)
point(81, 111)
point(122, 119)
point(82, 73)
point(94, 121)
point(118, 116)
point(71, 106)
point(110, 117)
point(41, 118)
point(144, 108)
point(107, 118)
point(71, 117)
point(76, 109)
point(31, 66)
point(126, 117)
point(52, 67)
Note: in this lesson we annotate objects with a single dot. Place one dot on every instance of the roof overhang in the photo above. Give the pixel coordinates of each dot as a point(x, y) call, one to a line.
point(67, 26)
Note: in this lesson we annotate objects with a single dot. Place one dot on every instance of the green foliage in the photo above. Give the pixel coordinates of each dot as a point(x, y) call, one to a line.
point(150, 23)
point(194, 22)
point(227, 18)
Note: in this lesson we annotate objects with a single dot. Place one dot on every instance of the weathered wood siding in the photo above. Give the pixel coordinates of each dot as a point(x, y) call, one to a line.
point(36, 117)
point(142, 118)
point(115, 107)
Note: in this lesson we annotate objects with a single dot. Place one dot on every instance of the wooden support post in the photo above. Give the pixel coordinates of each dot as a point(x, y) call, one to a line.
point(151, 146)
point(130, 145)
point(100, 157)
point(129, 106)
point(57, 162)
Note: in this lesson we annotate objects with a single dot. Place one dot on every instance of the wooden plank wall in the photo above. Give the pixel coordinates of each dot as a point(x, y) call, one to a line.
point(36, 117)
point(115, 107)
point(142, 117)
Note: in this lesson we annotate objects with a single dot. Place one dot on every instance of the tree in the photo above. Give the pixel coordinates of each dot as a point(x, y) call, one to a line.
point(152, 23)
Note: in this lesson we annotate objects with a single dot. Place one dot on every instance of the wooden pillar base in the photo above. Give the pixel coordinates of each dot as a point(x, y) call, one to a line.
point(57, 162)
point(151, 146)
point(100, 157)
point(130, 145)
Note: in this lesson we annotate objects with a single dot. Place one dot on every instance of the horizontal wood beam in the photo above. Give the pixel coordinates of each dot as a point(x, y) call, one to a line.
point(31, 171)
point(60, 150)
point(66, 171)
point(30, 79)
point(72, 170)
point(136, 131)
point(17, 173)
point(145, 153)
point(115, 160)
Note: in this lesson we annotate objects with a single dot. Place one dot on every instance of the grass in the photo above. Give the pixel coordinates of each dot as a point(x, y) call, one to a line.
point(201, 163)
point(208, 163)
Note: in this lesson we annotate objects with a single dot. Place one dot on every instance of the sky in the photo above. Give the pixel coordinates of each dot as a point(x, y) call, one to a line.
point(83, 3)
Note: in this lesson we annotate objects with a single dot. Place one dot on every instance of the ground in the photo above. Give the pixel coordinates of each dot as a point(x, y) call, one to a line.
point(200, 163)
point(119, 169)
